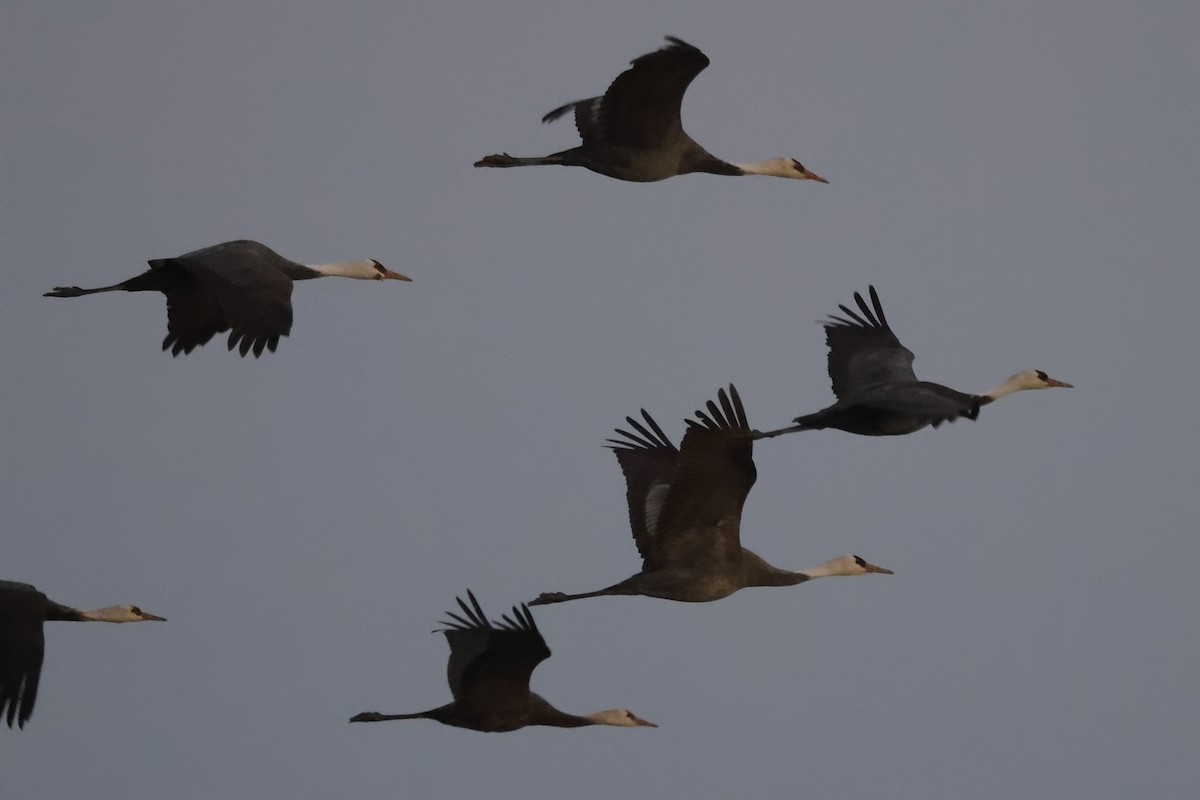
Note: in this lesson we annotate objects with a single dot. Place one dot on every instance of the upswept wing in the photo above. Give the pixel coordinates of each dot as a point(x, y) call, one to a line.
point(485, 657)
point(863, 351)
point(642, 106)
point(22, 648)
point(648, 460)
point(715, 473)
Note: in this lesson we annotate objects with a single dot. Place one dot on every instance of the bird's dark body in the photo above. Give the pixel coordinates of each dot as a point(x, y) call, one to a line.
point(887, 410)
point(503, 713)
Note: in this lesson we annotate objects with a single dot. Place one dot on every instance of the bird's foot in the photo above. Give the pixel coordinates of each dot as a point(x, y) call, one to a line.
point(65, 291)
point(367, 716)
point(496, 160)
point(547, 597)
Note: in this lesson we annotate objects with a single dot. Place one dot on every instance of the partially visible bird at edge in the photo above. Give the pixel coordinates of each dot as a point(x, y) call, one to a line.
point(242, 286)
point(685, 511)
point(634, 132)
point(489, 669)
point(878, 392)
point(23, 609)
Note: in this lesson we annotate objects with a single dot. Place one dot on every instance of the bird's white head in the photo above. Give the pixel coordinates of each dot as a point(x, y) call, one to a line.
point(123, 613)
point(1037, 379)
point(366, 270)
point(1029, 379)
point(844, 566)
point(620, 717)
point(382, 273)
point(781, 168)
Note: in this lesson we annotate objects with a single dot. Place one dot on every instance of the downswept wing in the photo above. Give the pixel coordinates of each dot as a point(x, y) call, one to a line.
point(22, 649)
point(193, 314)
point(641, 108)
point(486, 658)
point(702, 514)
point(863, 351)
point(251, 291)
point(648, 460)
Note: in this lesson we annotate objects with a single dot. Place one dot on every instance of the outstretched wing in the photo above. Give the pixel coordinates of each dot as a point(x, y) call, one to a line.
point(244, 280)
point(22, 648)
point(648, 461)
point(489, 657)
point(642, 106)
point(193, 315)
point(863, 351)
point(702, 513)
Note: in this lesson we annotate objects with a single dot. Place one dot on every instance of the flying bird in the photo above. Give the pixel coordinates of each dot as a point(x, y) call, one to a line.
point(23, 609)
point(243, 287)
point(489, 669)
point(634, 133)
point(878, 392)
point(685, 510)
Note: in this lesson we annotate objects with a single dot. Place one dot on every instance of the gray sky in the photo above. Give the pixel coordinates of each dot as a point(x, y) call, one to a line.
point(1018, 180)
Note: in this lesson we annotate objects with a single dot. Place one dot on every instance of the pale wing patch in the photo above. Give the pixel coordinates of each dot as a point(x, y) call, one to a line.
point(654, 503)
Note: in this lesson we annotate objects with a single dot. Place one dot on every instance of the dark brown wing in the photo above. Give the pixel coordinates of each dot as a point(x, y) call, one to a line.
point(648, 461)
point(22, 648)
point(715, 473)
point(193, 315)
point(641, 107)
point(245, 280)
point(863, 351)
point(490, 658)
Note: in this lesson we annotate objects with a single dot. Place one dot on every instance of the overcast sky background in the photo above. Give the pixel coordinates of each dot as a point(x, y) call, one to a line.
point(1019, 180)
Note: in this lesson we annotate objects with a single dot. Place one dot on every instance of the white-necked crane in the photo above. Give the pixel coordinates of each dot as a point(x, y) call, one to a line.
point(23, 609)
point(634, 132)
point(878, 392)
point(243, 287)
point(488, 671)
point(685, 510)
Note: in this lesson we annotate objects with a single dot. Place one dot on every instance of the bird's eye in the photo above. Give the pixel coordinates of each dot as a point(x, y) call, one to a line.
point(860, 562)
point(1042, 376)
point(798, 165)
point(135, 610)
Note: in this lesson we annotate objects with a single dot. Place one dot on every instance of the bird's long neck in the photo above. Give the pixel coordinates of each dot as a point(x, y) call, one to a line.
point(542, 713)
point(714, 166)
point(561, 719)
point(337, 269)
point(1011, 385)
point(825, 570)
point(760, 573)
point(107, 614)
point(768, 167)
point(60, 613)
point(783, 577)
